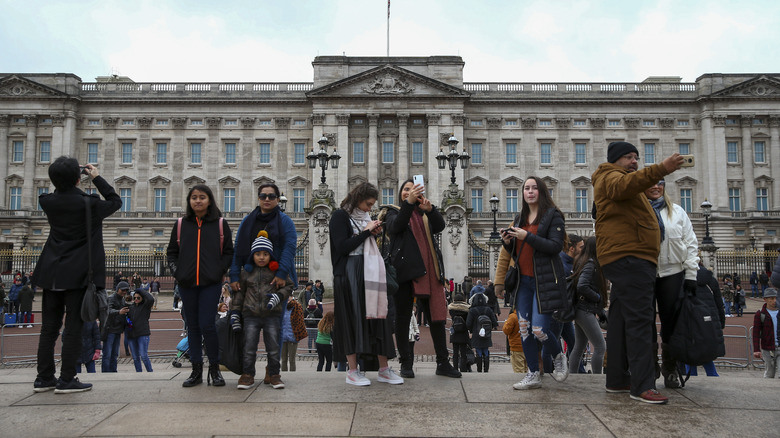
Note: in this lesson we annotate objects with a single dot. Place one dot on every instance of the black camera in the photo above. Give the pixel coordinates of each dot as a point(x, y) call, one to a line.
point(84, 170)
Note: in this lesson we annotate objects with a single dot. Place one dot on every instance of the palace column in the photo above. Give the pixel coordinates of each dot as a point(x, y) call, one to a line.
point(774, 158)
point(749, 197)
point(4, 119)
point(372, 157)
point(30, 155)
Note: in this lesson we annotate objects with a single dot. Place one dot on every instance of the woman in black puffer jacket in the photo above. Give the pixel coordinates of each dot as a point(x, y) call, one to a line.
point(591, 300)
point(535, 241)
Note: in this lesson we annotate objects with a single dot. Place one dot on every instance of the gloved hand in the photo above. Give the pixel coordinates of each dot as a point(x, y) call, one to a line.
point(235, 321)
point(417, 337)
point(273, 300)
point(689, 286)
point(96, 356)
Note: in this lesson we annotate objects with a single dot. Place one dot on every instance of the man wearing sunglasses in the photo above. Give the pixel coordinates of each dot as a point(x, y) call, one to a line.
point(281, 231)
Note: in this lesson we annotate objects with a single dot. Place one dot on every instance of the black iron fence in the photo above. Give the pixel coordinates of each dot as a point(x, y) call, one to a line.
point(744, 262)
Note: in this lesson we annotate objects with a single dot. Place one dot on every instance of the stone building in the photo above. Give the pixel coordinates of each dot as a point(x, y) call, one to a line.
point(387, 118)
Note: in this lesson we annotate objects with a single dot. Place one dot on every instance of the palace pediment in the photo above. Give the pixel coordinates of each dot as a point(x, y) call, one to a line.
point(388, 81)
point(15, 86)
point(759, 87)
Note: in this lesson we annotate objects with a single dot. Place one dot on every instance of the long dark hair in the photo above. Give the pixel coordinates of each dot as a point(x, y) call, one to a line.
point(360, 193)
point(589, 253)
point(213, 211)
point(545, 202)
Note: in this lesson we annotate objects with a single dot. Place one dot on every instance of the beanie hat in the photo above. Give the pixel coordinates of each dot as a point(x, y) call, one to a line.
point(617, 149)
point(770, 292)
point(122, 285)
point(261, 243)
point(312, 302)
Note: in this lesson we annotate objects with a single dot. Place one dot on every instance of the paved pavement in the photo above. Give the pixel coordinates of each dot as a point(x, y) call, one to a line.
point(739, 403)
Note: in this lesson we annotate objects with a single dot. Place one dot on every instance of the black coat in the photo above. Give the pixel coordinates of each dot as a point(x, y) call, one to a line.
point(183, 255)
point(459, 308)
point(405, 252)
point(63, 261)
point(708, 290)
point(588, 289)
point(343, 240)
point(479, 307)
point(116, 321)
point(139, 314)
point(549, 273)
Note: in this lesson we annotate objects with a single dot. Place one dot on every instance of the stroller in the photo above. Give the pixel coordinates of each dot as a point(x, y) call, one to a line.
point(182, 352)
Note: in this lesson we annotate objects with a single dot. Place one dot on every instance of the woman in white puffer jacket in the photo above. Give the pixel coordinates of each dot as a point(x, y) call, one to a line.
point(677, 266)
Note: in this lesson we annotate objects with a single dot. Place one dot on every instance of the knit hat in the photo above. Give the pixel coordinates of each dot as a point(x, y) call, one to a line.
point(312, 302)
point(261, 243)
point(617, 149)
point(770, 292)
point(122, 285)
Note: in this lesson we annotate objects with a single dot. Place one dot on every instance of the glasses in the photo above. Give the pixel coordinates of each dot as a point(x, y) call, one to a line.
point(269, 196)
point(136, 298)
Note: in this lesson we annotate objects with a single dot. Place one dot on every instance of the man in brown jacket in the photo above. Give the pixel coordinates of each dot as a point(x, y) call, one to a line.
point(628, 241)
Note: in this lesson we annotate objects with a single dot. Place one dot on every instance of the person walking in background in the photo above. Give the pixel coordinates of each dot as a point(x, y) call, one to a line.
point(481, 322)
point(319, 292)
point(312, 315)
point(14, 303)
point(26, 296)
point(62, 268)
point(511, 329)
point(138, 315)
point(293, 331)
point(763, 280)
point(154, 289)
point(118, 308)
point(421, 277)
point(198, 260)
point(765, 333)
point(739, 300)
point(753, 284)
point(324, 347)
point(678, 263)
point(728, 297)
point(176, 296)
point(90, 347)
point(535, 239)
point(628, 240)
point(591, 299)
point(360, 289)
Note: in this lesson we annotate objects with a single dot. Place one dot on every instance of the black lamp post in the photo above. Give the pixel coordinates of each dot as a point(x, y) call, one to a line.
point(452, 158)
point(706, 209)
point(323, 158)
point(25, 238)
point(494, 236)
point(282, 202)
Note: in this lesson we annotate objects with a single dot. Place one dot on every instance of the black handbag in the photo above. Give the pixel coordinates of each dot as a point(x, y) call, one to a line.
point(512, 278)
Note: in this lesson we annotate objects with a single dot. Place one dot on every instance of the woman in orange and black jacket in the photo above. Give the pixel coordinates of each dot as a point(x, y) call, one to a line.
point(199, 255)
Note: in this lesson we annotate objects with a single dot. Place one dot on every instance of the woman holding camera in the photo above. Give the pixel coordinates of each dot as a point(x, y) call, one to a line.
point(534, 242)
point(418, 262)
point(199, 254)
point(138, 315)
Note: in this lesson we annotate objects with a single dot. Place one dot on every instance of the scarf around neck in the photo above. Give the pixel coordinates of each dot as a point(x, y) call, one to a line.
point(374, 276)
point(658, 205)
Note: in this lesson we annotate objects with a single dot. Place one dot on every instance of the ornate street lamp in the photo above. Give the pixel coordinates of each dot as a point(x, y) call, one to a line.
point(282, 202)
point(494, 236)
point(453, 157)
point(706, 209)
point(323, 158)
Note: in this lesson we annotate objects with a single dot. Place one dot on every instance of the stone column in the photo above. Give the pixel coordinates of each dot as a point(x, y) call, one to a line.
point(30, 157)
point(341, 175)
point(211, 160)
point(177, 160)
point(69, 137)
point(749, 187)
point(281, 140)
point(403, 147)
point(4, 119)
point(246, 198)
point(491, 149)
point(434, 187)
point(58, 139)
point(455, 241)
point(319, 243)
point(713, 130)
point(373, 154)
point(774, 158)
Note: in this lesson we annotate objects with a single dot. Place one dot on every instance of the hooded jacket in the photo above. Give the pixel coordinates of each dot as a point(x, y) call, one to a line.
point(480, 307)
point(197, 259)
point(251, 299)
point(626, 225)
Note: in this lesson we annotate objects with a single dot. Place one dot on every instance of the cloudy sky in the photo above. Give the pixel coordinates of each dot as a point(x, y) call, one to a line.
point(499, 40)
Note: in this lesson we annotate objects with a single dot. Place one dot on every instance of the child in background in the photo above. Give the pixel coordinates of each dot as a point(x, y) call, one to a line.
point(512, 331)
point(459, 333)
point(257, 305)
point(293, 331)
point(323, 342)
point(481, 321)
point(90, 347)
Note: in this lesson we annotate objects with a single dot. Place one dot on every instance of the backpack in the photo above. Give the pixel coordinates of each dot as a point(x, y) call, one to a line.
point(485, 325)
point(311, 320)
point(697, 337)
point(567, 313)
point(458, 324)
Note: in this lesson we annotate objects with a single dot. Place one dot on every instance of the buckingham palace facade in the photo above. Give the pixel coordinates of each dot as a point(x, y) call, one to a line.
point(387, 118)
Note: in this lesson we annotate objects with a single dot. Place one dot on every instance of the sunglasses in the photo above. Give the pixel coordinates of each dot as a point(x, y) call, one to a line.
point(136, 298)
point(270, 196)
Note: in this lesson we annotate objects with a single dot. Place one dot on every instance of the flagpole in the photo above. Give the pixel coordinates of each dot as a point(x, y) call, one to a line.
point(388, 28)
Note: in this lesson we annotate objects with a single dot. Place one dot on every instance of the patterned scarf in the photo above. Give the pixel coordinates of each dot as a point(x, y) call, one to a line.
point(659, 205)
point(374, 274)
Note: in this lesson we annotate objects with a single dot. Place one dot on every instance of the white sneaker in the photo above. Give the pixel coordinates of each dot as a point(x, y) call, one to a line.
point(532, 380)
point(561, 365)
point(389, 376)
point(29, 325)
point(355, 377)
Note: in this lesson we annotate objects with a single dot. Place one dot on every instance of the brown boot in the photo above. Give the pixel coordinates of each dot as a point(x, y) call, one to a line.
point(267, 378)
point(276, 382)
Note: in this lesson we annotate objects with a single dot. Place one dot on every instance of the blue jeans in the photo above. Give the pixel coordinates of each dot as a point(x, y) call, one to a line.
point(139, 348)
point(110, 353)
point(200, 311)
point(528, 313)
point(754, 290)
point(271, 327)
point(89, 366)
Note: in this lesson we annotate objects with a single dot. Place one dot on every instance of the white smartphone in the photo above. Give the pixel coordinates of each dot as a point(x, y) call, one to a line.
point(418, 180)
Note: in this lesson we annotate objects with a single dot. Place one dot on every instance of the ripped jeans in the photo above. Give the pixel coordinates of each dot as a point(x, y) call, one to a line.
point(533, 325)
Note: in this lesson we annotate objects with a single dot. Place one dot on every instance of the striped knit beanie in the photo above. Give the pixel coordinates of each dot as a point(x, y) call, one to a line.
point(261, 243)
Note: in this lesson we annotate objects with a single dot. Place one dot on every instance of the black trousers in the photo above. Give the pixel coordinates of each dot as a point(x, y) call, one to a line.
point(404, 302)
point(668, 292)
point(55, 305)
point(631, 324)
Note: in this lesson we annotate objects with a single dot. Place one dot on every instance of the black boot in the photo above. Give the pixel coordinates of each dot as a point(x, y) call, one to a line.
point(479, 364)
point(486, 364)
point(196, 378)
point(215, 377)
point(669, 368)
point(444, 368)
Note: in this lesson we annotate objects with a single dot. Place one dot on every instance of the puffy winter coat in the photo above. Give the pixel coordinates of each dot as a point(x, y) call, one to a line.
point(480, 307)
point(589, 289)
point(461, 309)
point(197, 259)
point(708, 290)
